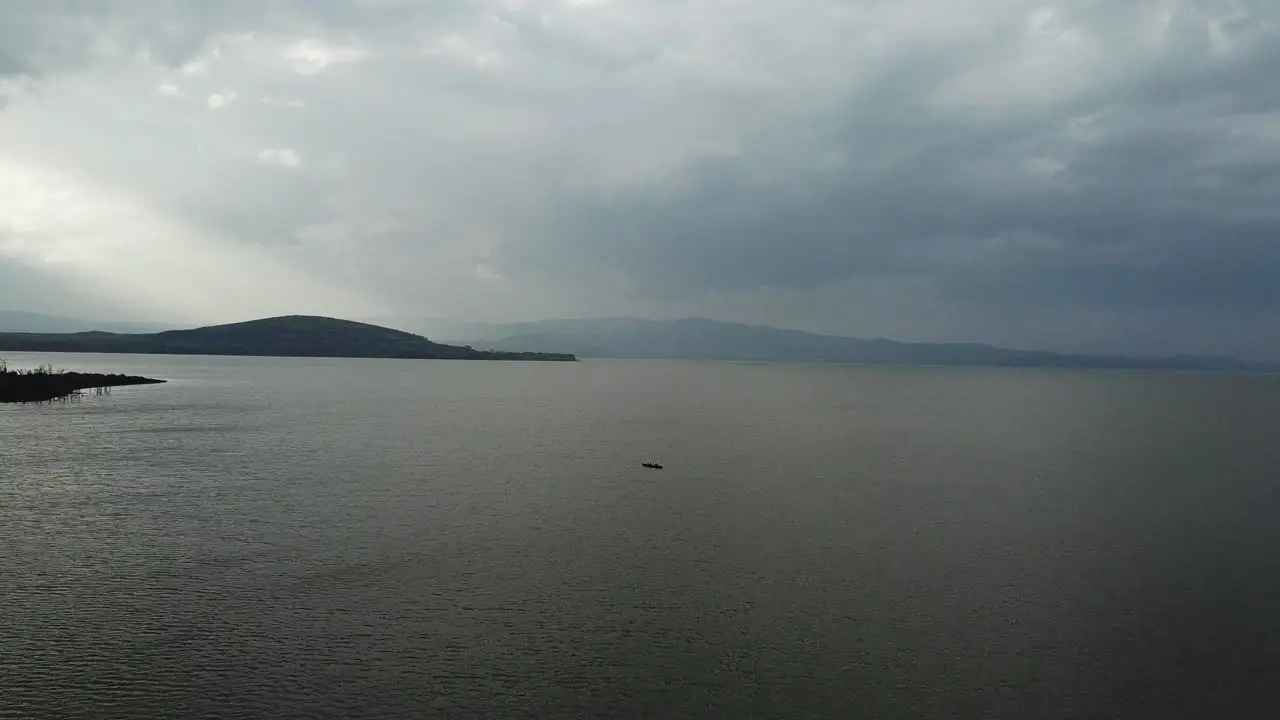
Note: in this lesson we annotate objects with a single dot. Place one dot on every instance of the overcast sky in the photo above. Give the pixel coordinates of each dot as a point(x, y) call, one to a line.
point(1083, 174)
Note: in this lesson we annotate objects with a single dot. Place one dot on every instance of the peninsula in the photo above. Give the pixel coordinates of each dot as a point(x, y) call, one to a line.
point(288, 336)
point(45, 383)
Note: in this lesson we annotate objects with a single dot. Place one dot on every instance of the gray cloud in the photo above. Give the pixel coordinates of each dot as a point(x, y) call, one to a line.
point(1017, 172)
point(1160, 195)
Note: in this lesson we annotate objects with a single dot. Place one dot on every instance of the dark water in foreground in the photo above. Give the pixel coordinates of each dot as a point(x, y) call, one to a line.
point(337, 538)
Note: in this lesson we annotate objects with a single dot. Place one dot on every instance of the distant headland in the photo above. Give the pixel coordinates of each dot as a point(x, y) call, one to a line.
point(288, 336)
point(44, 384)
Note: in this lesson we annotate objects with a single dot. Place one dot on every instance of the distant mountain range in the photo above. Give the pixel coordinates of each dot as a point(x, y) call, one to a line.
point(700, 339)
point(28, 322)
point(291, 336)
point(687, 339)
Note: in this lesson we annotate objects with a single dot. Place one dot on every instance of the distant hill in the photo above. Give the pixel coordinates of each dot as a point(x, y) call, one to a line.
point(700, 339)
point(290, 336)
point(29, 322)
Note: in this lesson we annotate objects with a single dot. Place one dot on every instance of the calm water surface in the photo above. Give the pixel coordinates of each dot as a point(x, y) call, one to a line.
point(381, 539)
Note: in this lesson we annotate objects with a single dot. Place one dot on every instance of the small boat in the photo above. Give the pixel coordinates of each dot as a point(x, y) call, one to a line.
point(651, 466)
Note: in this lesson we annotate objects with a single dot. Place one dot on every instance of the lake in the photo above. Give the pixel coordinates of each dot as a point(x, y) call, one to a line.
point(378, 538)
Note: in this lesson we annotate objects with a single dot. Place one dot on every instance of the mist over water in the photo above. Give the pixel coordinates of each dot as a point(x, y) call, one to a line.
point(375, 538)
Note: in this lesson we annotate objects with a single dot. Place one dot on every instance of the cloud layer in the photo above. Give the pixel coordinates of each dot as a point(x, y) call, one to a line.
point(1081, 174)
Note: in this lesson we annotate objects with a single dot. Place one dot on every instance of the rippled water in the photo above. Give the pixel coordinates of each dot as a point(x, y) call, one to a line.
point(342, 538)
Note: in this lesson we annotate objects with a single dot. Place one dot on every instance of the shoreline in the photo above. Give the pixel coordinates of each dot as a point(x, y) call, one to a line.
point(45, 384)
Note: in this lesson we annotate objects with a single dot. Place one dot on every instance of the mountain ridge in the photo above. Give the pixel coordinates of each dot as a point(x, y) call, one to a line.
point(705, 339)
point(282, 336)
point(612, 337)
point(31, 322)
